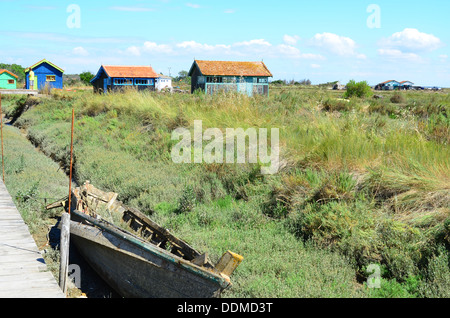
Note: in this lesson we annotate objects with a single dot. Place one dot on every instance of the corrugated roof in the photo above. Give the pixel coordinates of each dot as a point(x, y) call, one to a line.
point(231, 68)
point(43, 61)
point(130, 71)
point(6, 71)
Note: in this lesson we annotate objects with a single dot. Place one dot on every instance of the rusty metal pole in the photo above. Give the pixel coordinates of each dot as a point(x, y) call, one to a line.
point(1, 130)
point(71, 156)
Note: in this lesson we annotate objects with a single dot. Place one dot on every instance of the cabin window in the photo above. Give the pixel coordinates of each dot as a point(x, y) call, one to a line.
point(262, 80)
point(51, 78)
point(213, 79)
point(123, 81)
point(142, 82)
point(201, 80)
point(229, 79)
point(11, 82)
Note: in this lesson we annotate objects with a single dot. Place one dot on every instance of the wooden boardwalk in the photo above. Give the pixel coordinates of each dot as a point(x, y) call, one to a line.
point(23, 272)
point(18, 92)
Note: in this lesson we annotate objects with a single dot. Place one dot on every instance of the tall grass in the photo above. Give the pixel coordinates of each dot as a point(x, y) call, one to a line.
point(364, 181)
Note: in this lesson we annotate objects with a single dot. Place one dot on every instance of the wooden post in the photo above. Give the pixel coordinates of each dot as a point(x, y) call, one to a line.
point(1, 129)
point(71, 156)
point(64, 251)
point(65, 227)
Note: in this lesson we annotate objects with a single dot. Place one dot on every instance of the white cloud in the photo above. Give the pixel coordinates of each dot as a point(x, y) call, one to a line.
point(310, 56)
point(412, 40)
point(293, 52)
point(288, 50)
point(133, 50)
point(43, 8)
point(397, 54)
point(244, 49)
point(315, 66)
point(64, 38)
point(149, 47)
point(291, 39)
point(81, 51)
point(193, 5)
point(195, 46)
point(131, 9)
point(158, 48)
point(336, 44)
point(254, 43)
point(229, 11)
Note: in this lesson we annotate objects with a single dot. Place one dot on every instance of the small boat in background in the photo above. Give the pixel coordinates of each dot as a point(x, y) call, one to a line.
point(146, 261)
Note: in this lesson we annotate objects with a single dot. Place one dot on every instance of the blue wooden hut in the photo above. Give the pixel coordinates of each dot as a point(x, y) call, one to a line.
point(388, 85)
point(44, 73)
point(113, 78)
point(251, 78)
point(406, 85)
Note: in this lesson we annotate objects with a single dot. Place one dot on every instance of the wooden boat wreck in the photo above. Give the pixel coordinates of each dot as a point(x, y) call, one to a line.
point(146, 261)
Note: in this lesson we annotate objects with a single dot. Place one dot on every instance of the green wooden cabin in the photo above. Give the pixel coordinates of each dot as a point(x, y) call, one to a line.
point(8, 80)
point(251, 78)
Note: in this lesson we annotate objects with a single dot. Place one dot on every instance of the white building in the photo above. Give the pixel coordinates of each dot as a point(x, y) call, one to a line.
point(164, 82)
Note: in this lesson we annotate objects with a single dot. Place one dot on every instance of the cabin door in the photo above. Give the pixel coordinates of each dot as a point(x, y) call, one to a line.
point(250, 89)
point(106, 82)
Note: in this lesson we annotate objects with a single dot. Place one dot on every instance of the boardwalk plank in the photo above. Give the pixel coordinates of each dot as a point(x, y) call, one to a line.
point(23, 272)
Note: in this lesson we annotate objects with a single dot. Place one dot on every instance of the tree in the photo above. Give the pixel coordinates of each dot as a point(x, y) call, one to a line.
point(16, 69)
point(183, 74)
point(86, 77)
point(360, 89)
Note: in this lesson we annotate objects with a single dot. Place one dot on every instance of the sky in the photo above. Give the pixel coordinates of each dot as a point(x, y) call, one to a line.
point(323, 41)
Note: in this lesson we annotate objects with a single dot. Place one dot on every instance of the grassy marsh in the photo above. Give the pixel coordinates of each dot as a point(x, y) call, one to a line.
point(365, 181)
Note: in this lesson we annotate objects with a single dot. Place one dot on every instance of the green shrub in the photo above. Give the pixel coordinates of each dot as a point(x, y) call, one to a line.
point(86, 77)
point(360, 89)
point(398, 98)
point(394, 289)
point(337, 105)
point(187, 200)
point(438, 275)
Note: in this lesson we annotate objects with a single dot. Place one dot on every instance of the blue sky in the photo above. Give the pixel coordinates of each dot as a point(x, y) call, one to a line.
point(317, 40)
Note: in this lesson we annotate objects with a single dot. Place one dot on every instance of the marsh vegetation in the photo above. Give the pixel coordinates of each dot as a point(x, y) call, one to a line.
point(364, 181)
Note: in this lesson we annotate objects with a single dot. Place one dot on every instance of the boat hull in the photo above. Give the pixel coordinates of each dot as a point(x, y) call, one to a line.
point(135, 272)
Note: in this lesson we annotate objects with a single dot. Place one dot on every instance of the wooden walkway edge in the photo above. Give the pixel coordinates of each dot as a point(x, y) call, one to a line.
point(23, 272)
point(18, 92)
